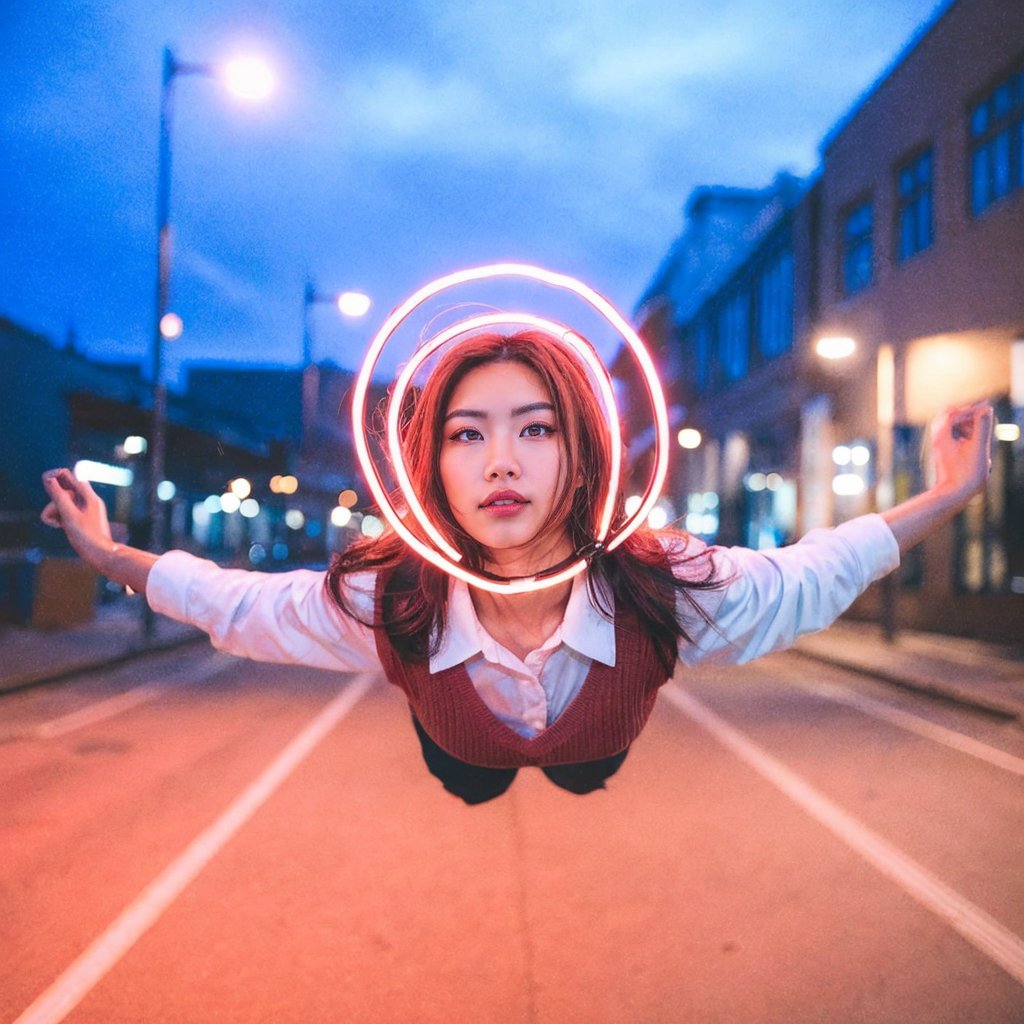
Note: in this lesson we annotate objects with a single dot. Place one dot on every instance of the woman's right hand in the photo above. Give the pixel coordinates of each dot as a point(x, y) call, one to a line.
point(77, 509)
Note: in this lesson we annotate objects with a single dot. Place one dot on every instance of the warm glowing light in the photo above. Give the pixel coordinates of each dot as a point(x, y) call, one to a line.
point(633, 502)
point(240, 487)
point(165, 490)
point(657, 518)
point(757, 482)
point(860, 455)
point(847, 484)
point(689, 438)
point(134, 445)
point(249, 78)
point(340, 516)
point(354, 304)
point(841, 455)
point(773, 481)
point(284, 484)
point(295, 519)
point(399, 315)
point(1007, 432)
point(372, 526)
point(103, 473)
point(230, 502)
point(835, 347)
point(171, 327)
point(348, 498)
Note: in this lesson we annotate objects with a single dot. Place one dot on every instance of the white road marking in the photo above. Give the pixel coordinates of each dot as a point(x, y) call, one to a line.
point(986, 934)
point(111, 706)
point(140, 915)
point(97, 712)
point(920, 726)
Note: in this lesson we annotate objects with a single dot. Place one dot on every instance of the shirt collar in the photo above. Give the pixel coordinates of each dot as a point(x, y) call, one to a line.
point(584, 628)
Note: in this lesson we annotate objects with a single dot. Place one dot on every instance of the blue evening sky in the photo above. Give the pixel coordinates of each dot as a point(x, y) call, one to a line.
point(406, 139)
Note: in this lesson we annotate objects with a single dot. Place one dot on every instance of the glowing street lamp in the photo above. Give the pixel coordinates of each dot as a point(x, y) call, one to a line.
point(349, 304)
point(171, 327)
point(835, 347)
point(248, 78)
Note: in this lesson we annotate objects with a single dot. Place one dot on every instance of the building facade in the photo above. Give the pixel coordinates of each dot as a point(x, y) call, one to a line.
point(892, 289)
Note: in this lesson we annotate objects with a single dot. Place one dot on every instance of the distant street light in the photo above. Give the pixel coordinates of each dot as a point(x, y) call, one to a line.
point(835, 347)
point(171, 327)
point(248, 78)
point(349, 304)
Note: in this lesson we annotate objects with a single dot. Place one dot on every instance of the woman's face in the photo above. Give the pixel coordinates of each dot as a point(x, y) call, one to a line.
point(501, 464)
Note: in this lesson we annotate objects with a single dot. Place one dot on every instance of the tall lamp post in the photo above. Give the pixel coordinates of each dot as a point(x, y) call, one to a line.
point(349, 304)
point(247, 78)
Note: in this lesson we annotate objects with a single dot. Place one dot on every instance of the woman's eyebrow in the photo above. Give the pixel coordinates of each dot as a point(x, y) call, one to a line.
point(521, 410)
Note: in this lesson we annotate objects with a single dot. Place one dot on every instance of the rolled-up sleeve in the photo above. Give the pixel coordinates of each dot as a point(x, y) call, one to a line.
point(775, 596)
point(281, 617)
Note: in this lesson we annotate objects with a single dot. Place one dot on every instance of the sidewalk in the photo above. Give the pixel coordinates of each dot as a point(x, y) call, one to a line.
point(979, 675)
point(32, 656)
point(986, 676)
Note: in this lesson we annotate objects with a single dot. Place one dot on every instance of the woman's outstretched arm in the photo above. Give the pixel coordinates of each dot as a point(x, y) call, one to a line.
point(961, 443)
point(282, 617)
point(75, 508)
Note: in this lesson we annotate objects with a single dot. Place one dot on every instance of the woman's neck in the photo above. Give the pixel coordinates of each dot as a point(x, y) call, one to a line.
point(522, 622)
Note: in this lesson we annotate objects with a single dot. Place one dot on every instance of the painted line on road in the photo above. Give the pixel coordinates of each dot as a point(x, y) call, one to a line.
point(986, 934)
point(97, 712)
point(111, 706)
point(915, 724)
point(140, 915)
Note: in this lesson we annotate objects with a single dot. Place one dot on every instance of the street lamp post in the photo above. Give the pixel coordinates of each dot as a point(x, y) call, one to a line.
point(248, 79)
point(349, 304)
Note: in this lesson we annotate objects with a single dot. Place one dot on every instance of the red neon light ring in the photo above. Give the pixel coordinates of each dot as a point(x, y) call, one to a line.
point(387, 330)
point(559, 331)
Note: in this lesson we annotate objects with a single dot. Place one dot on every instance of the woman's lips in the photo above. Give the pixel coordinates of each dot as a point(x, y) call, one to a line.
point(504, 503)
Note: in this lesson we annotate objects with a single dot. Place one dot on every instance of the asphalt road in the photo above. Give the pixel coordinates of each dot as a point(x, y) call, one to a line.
point(194, 838)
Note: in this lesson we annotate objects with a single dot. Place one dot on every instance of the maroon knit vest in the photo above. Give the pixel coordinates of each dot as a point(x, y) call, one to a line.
point(605, 717)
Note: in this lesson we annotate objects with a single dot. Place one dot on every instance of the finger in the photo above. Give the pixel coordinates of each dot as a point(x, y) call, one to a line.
point(51, 516)
point(962, 427)
point(80, 490)
point(60, 496)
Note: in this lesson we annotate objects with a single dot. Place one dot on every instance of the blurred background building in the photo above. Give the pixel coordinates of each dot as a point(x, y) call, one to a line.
point(256, 474)
point(811, 330)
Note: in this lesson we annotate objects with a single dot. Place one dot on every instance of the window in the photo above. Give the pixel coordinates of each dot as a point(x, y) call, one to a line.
point(775, 306)
point(914, 231)
point(997, 143)
point(858, 248)
point(734, 337)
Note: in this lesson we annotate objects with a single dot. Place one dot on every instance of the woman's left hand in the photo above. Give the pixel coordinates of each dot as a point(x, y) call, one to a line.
point(961, 440)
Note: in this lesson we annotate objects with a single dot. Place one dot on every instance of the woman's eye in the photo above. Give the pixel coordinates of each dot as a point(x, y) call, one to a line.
point(466, 434)
point(538, 430)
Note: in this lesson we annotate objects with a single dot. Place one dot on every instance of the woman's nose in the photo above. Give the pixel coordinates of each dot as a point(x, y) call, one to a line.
point(501, 464)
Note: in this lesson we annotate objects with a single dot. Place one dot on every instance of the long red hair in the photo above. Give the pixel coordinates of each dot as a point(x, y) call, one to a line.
point(639, 572)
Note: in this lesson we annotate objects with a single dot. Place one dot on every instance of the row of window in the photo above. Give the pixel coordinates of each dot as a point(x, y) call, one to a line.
point(996, 168)
point(759, 309)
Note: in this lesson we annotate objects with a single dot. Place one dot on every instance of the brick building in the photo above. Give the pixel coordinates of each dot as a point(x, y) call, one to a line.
point(908, 244)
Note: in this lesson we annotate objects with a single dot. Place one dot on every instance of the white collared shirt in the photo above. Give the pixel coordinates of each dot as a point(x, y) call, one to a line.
point(527, 695)
point(772, 597)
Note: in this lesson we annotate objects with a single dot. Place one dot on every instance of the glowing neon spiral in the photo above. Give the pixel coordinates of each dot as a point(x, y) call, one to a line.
point(447, 557)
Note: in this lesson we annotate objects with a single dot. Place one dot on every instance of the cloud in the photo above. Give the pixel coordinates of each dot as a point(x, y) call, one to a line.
point(238, 291)
point(401, 109)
